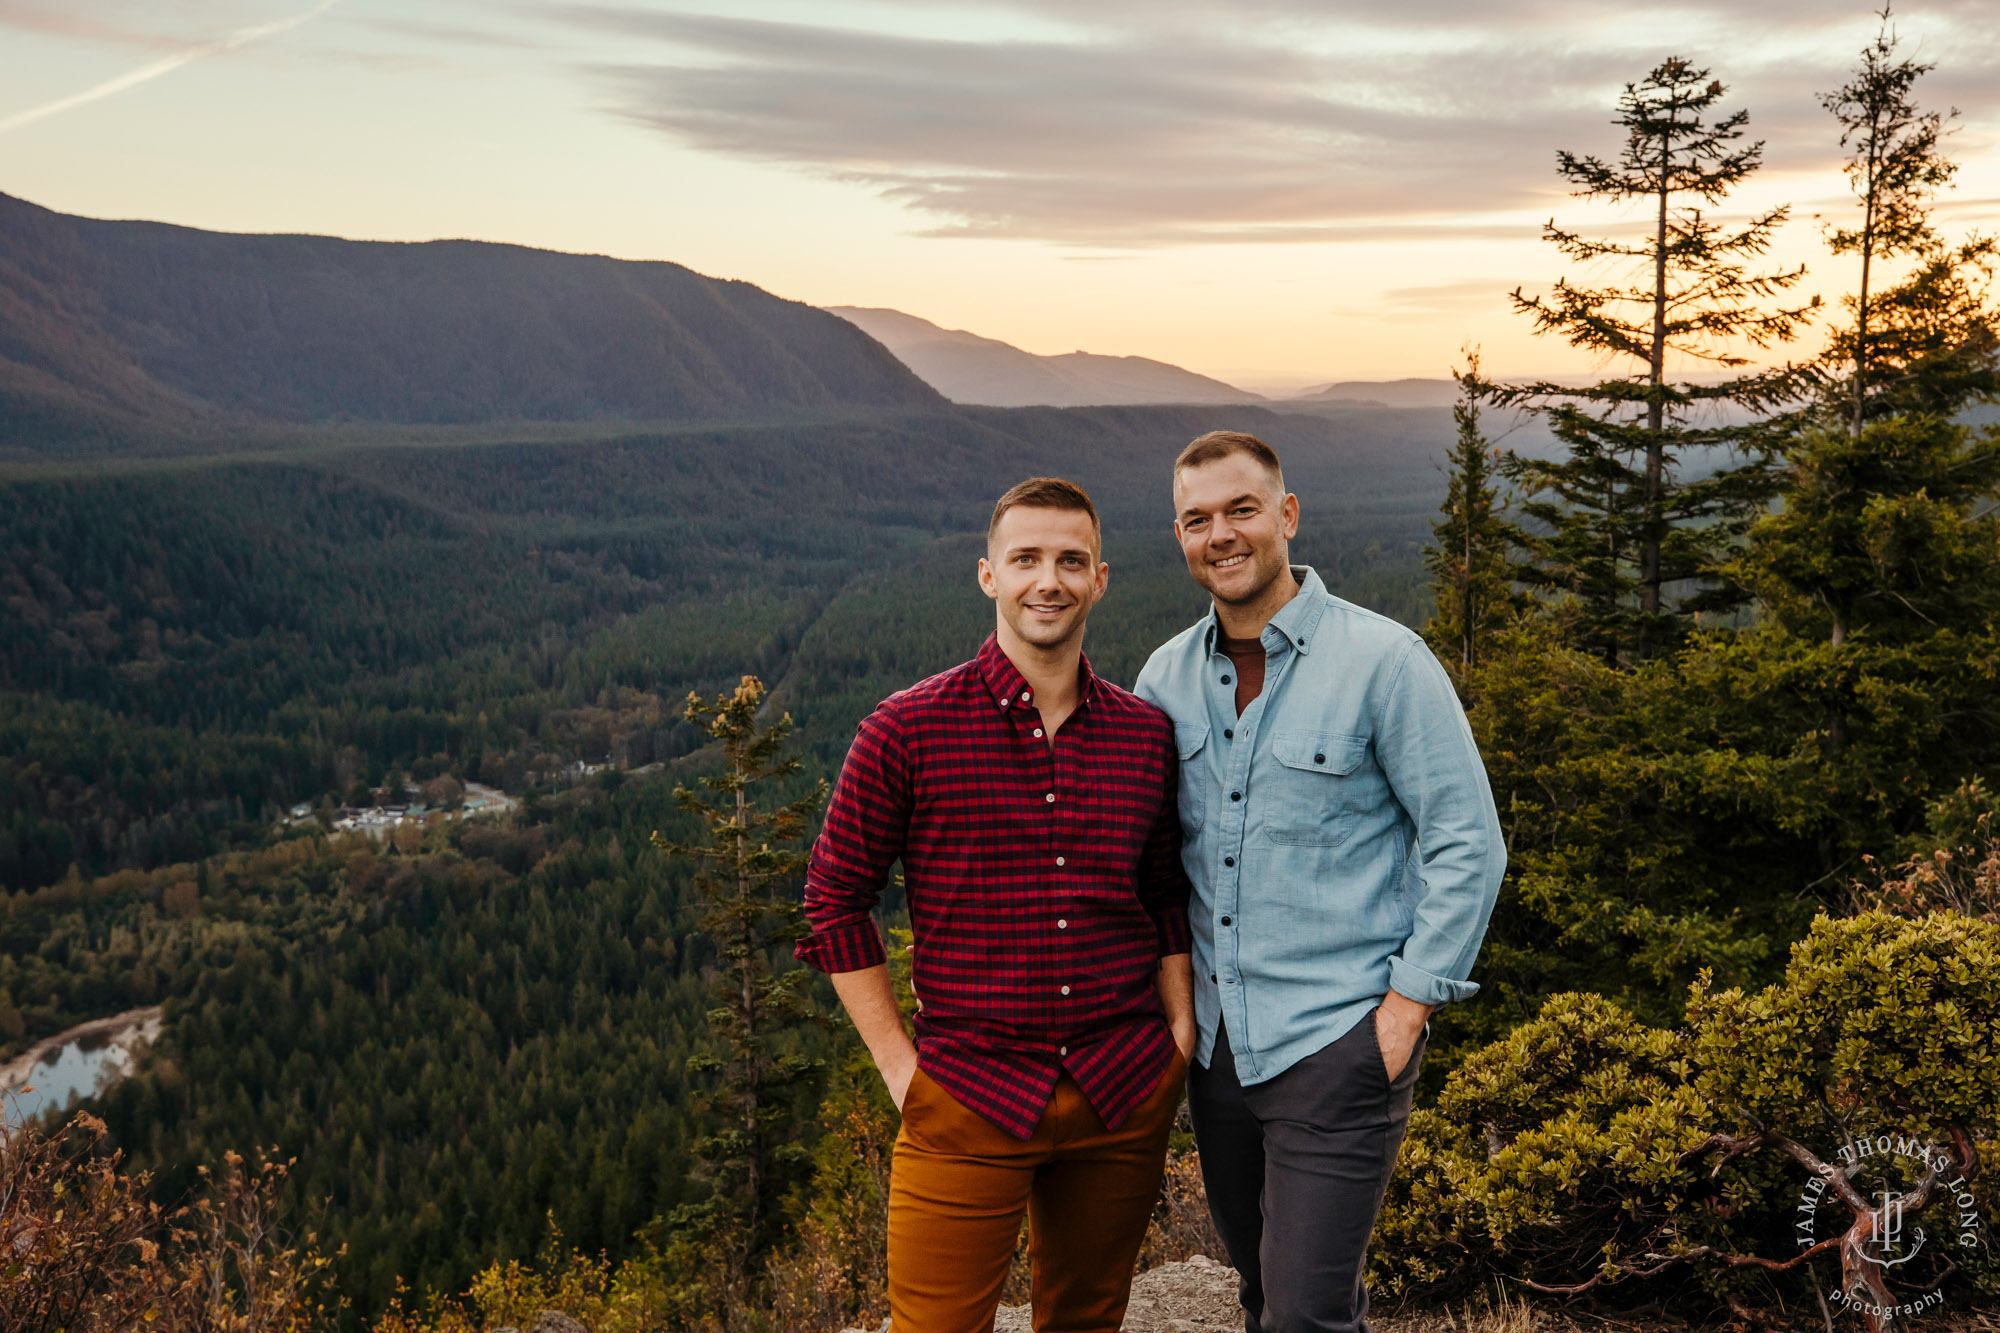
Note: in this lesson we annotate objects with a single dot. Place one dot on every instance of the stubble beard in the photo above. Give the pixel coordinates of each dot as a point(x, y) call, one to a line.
point(1257, 590)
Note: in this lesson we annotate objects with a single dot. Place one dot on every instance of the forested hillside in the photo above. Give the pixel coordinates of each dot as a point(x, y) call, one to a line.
point(138, 336)
point(466, 1032)
point(188, 650)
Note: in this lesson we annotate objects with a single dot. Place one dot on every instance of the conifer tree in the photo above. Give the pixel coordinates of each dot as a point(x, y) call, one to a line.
point(1922, 343)
point(1619, 524)
point(755, 1093)
point(1887, 528)
point(1469, 557)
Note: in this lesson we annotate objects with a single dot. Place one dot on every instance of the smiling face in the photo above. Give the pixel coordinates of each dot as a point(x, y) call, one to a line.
point(1042, 571)
point(1234, 520)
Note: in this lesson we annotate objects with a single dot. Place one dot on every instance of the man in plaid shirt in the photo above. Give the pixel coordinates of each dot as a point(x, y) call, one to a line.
point(1032, 805)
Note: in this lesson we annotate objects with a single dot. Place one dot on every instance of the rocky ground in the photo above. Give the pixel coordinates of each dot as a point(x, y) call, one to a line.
point(1199, 1296)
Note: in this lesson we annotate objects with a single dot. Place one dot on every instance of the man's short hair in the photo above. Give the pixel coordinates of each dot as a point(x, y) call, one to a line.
point(1220, 444)
point(1048, 493)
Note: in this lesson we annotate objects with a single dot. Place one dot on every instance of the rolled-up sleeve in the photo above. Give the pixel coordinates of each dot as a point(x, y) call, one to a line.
point(1163, 883)
point(1426, 749)
point(866, 823)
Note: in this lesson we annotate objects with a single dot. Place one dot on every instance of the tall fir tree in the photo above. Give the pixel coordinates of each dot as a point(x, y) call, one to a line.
point(1879, 579)
point(1885, 530)
point(1470, 553)
point(755, 1095)
point(1618, 524)
point(1924, 343)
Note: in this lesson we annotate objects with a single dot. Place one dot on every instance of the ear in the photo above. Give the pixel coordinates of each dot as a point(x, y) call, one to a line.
point(987, 584)
point(1289, 516)
point(1101, 582)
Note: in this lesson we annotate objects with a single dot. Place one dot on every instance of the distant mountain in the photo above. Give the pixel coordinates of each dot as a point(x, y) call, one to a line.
point(108, 328)
point(1387, 393)
point(967, 368)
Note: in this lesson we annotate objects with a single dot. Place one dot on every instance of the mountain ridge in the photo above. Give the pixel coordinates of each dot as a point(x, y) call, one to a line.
point(115, 331)
point(969, 368)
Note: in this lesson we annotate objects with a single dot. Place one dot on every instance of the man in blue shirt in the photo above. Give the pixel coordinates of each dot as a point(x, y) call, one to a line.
point(1345, 853)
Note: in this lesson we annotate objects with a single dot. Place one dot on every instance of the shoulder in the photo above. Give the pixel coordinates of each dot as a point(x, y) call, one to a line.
point(1132, 711)
point(1183, 648)
point(908, 709)
point(1359, 632)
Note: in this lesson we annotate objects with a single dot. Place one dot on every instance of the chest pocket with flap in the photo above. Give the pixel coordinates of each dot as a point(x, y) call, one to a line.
point(1318, 787)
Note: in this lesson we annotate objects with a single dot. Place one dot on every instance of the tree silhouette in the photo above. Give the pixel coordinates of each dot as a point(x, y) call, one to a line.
point(1620, 525)
point(1926, 343)
point(1469, 556)
point(756, 1092)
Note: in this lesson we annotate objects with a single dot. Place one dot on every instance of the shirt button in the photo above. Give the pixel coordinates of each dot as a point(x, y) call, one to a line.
point(1050, 797)
point(1229, 860)
point(1319, 759)
point(1065, 990)
point(1005, 702)
point(1038, 731)
point(1024, 696)
point(1228, 734)
point(1225, 680)
point(1211, 976)
point(1059, 860)
point(1062, 924)
point(1062, 1050)
point(1225, 921)
point(1234, 796)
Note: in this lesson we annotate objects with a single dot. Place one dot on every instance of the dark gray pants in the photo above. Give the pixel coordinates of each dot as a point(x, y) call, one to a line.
point(1295, 1168)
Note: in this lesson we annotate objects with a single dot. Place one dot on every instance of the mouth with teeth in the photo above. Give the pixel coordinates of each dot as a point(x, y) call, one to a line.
point(1230, 562)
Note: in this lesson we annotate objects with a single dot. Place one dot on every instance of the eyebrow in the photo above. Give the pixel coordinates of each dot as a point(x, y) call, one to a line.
point(1191, 511)
point(1013, 551)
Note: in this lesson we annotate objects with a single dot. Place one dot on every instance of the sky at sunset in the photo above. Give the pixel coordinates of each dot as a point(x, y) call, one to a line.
point(1276, 192)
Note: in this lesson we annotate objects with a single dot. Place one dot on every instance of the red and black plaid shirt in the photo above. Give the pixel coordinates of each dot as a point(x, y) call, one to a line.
point(1044, 886)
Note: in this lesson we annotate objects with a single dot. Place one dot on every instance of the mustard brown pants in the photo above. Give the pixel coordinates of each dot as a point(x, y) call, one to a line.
point(957, 1188)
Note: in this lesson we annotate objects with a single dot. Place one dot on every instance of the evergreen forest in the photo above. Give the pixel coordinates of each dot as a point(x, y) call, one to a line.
point(1725, 621)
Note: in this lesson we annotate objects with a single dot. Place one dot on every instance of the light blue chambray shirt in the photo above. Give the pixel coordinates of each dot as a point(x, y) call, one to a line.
point(1340, 834)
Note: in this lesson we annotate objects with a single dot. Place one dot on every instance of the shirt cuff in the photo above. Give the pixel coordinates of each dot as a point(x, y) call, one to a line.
point(1412, 982)
point(849, 947)
point(1171, 924)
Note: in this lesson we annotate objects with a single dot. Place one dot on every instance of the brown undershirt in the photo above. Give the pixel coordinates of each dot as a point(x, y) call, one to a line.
point(1248, 657)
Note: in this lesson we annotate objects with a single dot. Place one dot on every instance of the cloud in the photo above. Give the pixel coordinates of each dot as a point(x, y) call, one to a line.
point(164, 65)
point(1129, 124)
point(1448, 297)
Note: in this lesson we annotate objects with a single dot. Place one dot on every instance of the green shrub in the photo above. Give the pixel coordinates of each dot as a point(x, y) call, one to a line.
point(1587, 1150)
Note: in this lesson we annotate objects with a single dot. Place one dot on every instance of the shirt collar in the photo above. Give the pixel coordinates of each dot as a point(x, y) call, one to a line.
point(1296, 621)
point(1010, 688)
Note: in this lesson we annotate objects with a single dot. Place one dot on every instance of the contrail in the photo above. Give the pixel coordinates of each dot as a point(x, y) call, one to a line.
point(164, 65)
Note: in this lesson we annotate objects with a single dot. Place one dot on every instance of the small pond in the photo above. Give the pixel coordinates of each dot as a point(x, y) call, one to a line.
point(61, 1071)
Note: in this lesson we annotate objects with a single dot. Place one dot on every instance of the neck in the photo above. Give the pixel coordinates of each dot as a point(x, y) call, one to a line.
point(1246, 620)
point(1050, 672)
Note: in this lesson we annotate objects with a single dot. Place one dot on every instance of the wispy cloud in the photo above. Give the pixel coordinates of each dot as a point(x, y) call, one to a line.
point(166, 64)
point(1135, 124)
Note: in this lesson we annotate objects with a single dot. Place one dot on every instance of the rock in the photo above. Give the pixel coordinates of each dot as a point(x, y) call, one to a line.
point(554, 1321)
